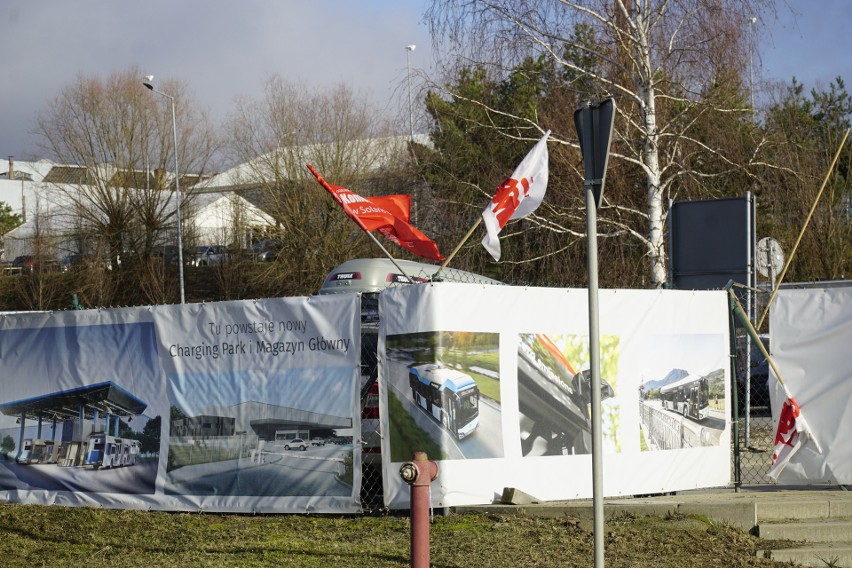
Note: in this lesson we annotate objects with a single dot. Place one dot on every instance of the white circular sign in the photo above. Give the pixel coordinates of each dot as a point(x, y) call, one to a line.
point(770, 257)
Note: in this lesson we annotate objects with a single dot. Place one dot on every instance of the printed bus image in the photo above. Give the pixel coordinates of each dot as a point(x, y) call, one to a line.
point(443, 395)
point(682, 395)
point(447, 395)
point(109, 451)
point(689, 397)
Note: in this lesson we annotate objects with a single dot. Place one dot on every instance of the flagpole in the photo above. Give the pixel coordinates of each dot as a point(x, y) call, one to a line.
point(384, 250)
point(740, 312)
point(458, 247)
point(804, 227)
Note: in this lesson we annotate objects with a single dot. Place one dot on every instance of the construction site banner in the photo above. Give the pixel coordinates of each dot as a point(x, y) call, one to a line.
point(248, 406)
point(492, 382)
point(810, 333)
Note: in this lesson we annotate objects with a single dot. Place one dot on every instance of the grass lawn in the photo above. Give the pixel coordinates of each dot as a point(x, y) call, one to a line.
point(34, 535)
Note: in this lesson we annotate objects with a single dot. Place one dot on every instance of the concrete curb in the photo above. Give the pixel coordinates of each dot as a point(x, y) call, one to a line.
point(742, 510)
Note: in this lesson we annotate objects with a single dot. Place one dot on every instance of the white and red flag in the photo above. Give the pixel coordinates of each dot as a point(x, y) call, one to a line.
point(517, 197)
point(792, 433)
point(388, 215)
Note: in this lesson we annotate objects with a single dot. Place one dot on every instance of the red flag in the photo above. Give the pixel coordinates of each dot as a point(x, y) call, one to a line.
point(518, 196)
point(388, 215)
point(792, 433)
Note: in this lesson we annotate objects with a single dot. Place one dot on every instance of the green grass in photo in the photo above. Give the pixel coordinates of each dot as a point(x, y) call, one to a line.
point(406, 437)
point(487, 386)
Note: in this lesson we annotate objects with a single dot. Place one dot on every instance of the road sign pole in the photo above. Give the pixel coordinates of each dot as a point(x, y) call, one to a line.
point(594, 124)
point(595, 368)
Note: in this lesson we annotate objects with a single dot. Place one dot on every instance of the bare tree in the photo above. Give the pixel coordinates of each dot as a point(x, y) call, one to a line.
point(673, 67)
point(338, 132)
point(119, 136)
point(36, 286)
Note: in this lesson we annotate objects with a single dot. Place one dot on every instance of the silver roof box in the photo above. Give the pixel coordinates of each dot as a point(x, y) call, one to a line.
point(372, 275)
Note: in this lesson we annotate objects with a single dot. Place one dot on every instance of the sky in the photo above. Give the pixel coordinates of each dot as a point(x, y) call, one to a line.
point(224, 49)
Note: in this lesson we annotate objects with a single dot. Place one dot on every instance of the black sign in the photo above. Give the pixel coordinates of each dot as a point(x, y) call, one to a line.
point(712, 243)
point(594, 129)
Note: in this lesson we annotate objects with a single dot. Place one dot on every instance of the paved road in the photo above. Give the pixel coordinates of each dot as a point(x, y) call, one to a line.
point(278, 473)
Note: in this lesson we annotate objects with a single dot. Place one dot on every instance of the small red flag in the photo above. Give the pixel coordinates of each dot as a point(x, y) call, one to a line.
point(792, 433)
point(388, 215)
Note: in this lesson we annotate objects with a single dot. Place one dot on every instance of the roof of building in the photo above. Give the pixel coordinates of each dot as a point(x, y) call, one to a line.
point(101, 397)
point(68, 174)
point(375, 154)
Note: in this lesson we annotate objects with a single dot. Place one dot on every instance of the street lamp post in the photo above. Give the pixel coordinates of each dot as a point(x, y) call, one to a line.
point(751, 23)
point(149, 82)
point(408, 50)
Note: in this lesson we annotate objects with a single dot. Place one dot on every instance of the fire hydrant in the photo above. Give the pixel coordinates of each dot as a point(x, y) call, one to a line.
point(419, 475)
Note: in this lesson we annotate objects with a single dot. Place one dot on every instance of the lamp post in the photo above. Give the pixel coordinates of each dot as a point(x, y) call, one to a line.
point(149, 82)
point(751, 23)
point(408, 50)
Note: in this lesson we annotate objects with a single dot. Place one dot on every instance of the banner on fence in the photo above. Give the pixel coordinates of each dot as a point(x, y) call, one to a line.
point(248, 406)
point(493, 383)
point(810, 331)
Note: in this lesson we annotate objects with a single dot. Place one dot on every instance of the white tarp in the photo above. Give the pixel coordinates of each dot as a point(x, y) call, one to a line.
point(810, 334)
point(193, 407)
point(525, 424)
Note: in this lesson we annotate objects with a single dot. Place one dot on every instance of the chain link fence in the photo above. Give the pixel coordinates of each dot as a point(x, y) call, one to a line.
point(755, 433)
point(371, 458)
point(372, 500)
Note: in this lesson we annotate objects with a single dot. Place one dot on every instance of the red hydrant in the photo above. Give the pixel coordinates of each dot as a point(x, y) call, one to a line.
point(419, 474)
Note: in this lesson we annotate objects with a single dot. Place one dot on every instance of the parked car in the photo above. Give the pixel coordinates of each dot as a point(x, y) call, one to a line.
point(168, 254)
point(210, 255)
point(758, 374)
point(23, 264)
point(71, 261)
point(26, 264)
point(317, 441)
point(266, 250)
point(295, 444)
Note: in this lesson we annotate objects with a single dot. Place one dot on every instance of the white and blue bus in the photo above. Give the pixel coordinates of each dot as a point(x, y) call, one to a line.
point(447, 395)
point(690, 396)
point(104, 450)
